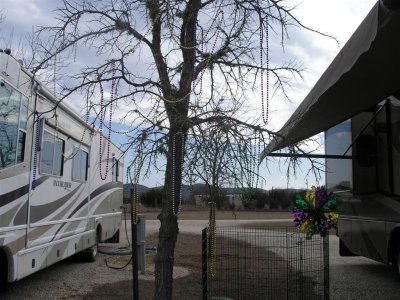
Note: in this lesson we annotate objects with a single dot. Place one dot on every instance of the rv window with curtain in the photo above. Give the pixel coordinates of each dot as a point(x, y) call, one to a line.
point(79, 165)
point(13, 125)
point(52, 159)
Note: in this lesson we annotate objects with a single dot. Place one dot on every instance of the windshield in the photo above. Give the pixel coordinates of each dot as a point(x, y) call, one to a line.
point(12, 125)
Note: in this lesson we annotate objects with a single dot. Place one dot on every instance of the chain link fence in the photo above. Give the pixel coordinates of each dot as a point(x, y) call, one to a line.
point(264, 263)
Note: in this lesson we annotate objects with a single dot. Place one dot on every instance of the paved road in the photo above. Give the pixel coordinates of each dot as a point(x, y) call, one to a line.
point(350, 277)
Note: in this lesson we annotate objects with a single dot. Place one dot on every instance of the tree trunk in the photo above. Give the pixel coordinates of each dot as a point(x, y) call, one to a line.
point(164, 260)
point(168, 232)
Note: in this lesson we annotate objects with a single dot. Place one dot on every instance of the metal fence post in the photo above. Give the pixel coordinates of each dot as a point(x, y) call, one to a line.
point(326, 267)
point(135, 277)
point(287, 264)
point(141, 243)
point(204, 259)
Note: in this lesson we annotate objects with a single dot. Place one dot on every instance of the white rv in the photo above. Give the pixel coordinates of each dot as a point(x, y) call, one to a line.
point(54, 201)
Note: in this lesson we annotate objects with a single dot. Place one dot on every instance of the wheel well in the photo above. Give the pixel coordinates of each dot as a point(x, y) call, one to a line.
point(99, 233)
point(3, 269)
point(394, 241)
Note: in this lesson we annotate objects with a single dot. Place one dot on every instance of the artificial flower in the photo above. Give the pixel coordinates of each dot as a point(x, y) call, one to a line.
point(316, 213)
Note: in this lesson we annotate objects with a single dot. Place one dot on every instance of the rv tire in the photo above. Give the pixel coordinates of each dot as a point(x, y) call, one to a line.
point(3, 272)
point(396, 264)
point(91, 253)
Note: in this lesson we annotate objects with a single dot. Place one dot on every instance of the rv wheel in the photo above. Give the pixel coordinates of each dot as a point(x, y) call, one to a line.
point(91, 253)
point(3, 282)
point(3, 272)
point(397, 258)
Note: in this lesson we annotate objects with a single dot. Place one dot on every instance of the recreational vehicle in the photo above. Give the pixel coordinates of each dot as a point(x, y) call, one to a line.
point(54, 201)
point(356, 102)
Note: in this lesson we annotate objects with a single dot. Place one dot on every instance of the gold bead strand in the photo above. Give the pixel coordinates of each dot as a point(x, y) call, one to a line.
point(136, 175)
point(200, 79)
point(264, 100)
point(174, 174)
point(102, 117)
point(213, 240)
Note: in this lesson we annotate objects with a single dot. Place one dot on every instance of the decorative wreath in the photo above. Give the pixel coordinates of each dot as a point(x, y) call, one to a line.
point(317, 213)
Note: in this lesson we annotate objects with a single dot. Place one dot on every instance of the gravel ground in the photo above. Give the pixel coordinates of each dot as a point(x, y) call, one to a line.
point(69, 277)
point(350, 277)
point(360, 278)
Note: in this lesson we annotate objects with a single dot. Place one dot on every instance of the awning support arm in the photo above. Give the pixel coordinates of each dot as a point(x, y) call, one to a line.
point(365, 127)
point(309, 155)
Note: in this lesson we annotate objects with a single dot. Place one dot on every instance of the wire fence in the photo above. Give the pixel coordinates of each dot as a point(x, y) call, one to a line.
point(264, 263)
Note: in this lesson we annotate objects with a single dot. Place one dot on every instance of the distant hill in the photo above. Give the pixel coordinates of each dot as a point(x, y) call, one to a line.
point(202, 188)
point(186, 191)
point(197, 188)
point(127, 186)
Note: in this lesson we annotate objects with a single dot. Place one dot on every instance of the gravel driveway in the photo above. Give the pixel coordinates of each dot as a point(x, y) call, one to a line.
point(350, 277)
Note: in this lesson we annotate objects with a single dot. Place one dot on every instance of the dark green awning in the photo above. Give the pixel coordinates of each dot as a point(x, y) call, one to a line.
point(365, 72)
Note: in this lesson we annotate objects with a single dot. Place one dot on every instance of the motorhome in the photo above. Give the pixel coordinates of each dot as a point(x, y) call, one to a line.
point(356, 102)
point(54, 201)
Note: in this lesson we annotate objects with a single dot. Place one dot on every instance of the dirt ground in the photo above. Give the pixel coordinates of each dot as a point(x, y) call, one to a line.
point(187, 255)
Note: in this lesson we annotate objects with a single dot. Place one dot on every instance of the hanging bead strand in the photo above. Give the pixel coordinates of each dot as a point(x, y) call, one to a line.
point(36, 149)
point(264, 99)
point(213, 240)
point(208, 59)
point(102, 117)
point(258, 153)
point(136, 176)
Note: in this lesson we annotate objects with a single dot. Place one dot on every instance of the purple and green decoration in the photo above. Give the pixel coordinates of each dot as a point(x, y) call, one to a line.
point(317, 213)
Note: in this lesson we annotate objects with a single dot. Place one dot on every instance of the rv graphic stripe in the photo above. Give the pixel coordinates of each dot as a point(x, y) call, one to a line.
point(95, 193)
point(19, 192)
point(13, 195)
point(41, 211)
point(22, 215)
point(83, 203)
point(104, 188)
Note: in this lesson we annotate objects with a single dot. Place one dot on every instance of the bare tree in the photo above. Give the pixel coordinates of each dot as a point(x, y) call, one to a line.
point(176, 68)
point(220, 155)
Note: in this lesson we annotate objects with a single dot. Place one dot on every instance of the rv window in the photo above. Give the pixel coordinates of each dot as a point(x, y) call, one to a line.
point(22, 129)
point(338, 171)
point(79, 165)
point(24, 113)
point(21, 146)
point(52, 155)
point(10, 102)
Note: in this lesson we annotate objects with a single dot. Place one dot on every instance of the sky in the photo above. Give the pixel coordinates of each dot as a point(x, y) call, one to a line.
point(339, 18)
